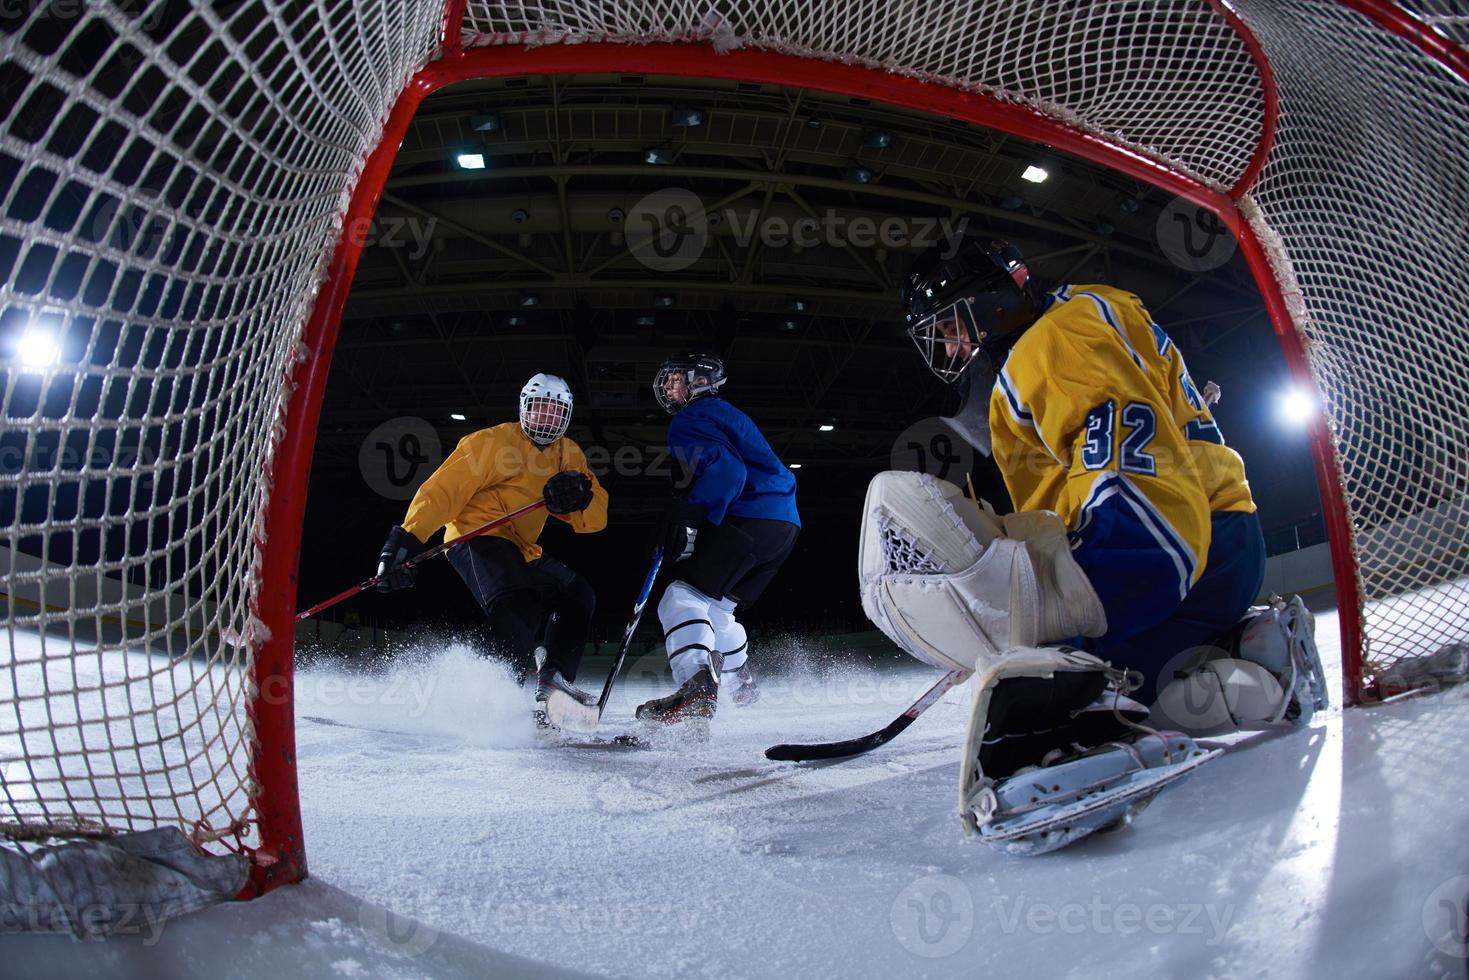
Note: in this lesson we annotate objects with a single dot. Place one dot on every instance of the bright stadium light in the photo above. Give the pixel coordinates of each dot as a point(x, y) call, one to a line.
point(795, 466)
point(1296, 407)
point(470, 161)
point(825, 427)
point(1034, 174)
point(38, 348)
point(458, 416)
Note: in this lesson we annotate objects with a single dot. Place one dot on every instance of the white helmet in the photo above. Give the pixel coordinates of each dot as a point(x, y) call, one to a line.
point(545, 409)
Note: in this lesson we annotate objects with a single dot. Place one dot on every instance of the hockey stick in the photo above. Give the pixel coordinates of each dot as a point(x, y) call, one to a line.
point(786, 752)
point(425, 556)
point(564, 710)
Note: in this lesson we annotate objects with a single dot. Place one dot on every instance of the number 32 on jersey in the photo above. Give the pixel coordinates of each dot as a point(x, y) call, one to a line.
point(1139, 424)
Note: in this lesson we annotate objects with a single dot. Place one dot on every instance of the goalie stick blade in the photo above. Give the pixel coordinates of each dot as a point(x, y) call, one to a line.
point(569, 714)
point(789, 752)
point(856, 746)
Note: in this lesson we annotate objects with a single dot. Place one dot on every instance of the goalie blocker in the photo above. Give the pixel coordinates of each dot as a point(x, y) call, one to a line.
point(1054, 749)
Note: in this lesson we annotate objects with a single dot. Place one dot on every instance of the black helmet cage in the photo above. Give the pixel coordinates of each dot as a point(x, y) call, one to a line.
point(969, 303)
point(702, 372)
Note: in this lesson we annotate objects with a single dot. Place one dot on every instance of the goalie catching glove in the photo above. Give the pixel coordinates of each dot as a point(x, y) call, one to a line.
point(956, 586)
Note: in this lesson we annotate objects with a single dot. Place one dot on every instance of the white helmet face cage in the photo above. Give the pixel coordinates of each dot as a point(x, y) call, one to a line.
point(545, 409)
point(948, 339)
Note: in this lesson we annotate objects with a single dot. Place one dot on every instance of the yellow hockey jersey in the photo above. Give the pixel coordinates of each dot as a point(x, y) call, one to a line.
point(493, 472)
point(1094, 416)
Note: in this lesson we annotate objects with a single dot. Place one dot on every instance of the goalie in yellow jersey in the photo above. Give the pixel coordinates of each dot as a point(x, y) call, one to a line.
point(1134, 548)
point(489, 474)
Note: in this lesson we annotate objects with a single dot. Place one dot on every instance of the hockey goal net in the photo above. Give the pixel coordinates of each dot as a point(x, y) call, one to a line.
point(175, 184)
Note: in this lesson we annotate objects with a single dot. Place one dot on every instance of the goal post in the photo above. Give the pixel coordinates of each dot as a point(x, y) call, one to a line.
point(1244, 109)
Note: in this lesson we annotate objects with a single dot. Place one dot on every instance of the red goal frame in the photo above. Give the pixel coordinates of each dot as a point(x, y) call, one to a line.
point(280, 856)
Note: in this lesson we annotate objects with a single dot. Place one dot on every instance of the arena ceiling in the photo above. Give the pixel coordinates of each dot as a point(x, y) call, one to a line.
point(474, 279)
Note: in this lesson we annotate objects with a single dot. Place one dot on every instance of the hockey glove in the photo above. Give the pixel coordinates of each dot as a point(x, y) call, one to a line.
point(680, 530)
point(400, 547)
point(567, 491)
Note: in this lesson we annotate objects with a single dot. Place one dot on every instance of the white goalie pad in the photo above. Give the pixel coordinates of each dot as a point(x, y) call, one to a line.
point(1042, 662)
point(944, 579)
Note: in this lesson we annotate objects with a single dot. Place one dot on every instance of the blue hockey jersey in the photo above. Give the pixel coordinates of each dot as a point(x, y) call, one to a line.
point(734, 471)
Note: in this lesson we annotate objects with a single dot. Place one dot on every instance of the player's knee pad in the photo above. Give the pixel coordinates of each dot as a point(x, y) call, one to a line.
point(941, 578)
point(733, 645)
point(688, 631)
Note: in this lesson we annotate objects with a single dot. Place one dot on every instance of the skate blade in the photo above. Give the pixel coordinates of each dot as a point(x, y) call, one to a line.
point(1046, 830)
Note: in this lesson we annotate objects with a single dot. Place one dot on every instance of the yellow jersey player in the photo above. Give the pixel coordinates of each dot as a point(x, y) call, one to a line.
point(521, 589)
point(1134, 544)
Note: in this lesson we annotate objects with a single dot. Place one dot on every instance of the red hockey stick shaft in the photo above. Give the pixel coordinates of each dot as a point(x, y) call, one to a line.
point(437, 550)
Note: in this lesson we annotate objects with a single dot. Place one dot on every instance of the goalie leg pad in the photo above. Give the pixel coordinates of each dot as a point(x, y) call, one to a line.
point(1030, 781)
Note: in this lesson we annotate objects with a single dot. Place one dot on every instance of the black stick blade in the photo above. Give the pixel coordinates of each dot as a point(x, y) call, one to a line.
point(787, 752)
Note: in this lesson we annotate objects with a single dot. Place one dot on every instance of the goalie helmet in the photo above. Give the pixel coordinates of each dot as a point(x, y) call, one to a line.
point(545, 409)
point(702, 372)
point(969, 301)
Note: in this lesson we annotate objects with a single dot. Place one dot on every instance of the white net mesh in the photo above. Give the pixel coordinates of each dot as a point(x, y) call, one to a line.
point(1367, 188)
point(171, 183)
point(1169, 77)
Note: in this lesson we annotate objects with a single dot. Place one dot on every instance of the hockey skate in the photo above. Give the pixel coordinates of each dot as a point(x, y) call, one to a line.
point(547, 681)
point(1264, 673)
point(1056, 752)
point(744, 690)
point(1042, 808)
point(694, 702)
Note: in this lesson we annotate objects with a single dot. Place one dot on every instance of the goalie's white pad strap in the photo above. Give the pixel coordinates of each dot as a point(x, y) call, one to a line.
point(1017, 662)
point(943, 579)
point(1068, 604)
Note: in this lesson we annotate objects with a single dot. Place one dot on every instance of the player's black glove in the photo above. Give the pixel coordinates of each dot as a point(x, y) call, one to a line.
point(400, 547)
point(679, 530)
point(567, 491)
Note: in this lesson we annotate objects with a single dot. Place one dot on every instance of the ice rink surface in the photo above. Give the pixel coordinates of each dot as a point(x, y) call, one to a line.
point(445, 841)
